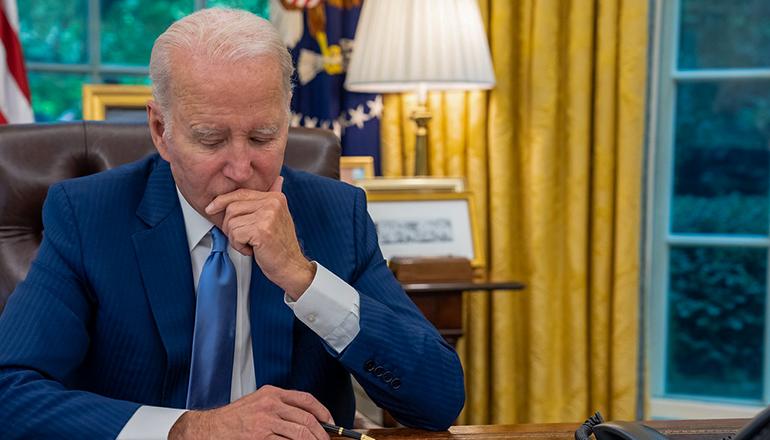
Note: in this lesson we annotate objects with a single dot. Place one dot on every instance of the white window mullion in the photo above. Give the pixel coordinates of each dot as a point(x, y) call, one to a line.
point(662, 137)
point(680, 408)
point(721, 74)
point(94, 40)
point(54, 67)
point(717, 240)
point(766, 358)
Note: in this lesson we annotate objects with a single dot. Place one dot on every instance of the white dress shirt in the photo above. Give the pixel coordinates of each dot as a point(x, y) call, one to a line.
point(329, 307)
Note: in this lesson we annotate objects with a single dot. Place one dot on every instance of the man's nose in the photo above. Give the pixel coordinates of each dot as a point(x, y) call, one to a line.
point(238, 166)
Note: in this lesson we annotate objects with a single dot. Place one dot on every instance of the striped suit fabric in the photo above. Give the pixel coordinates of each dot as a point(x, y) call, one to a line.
point(103, 322)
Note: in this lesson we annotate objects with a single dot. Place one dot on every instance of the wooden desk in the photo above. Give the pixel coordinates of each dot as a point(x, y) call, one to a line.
point(674, 429)
point(442, 303)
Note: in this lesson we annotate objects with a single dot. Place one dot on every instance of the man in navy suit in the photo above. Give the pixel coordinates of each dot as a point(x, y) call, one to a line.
point(117, 330)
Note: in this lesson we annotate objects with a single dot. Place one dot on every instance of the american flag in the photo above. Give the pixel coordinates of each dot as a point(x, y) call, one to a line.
point(15, 104)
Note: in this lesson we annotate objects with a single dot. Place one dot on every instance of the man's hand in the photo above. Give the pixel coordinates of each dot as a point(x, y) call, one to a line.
point(258, 223)
point(269, 412)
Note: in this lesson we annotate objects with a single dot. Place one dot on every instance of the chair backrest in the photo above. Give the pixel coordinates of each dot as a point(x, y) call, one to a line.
point(34, 156)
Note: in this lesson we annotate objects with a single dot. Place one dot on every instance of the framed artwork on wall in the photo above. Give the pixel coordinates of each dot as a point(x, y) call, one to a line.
point(115, 102)
point(426, 225)
point(413, 184)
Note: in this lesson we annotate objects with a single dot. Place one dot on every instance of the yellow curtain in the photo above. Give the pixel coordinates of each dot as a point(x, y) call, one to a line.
point(554, 157)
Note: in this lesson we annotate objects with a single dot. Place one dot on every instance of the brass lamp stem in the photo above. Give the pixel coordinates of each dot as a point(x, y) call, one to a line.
point(421, 116)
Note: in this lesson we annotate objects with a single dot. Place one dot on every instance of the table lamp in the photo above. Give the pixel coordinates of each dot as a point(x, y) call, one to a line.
point(417, 46)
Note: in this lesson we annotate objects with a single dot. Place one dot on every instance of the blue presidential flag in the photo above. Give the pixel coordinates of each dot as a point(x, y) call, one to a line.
point(320, 35)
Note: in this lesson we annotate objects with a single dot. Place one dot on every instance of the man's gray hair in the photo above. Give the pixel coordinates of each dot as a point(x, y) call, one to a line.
point(219, 34)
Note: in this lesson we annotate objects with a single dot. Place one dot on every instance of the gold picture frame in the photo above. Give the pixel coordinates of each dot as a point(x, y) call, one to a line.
point(413, 184)
point(354, 168)
point(99, 100)
point(426, 224)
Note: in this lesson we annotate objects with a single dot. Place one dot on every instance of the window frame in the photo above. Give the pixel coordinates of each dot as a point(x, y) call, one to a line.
point(664, 79)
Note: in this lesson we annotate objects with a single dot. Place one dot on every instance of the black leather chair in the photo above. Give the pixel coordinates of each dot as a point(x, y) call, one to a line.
point(34, 156)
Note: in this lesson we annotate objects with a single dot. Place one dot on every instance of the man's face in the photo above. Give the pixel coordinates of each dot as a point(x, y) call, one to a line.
point(229, 127)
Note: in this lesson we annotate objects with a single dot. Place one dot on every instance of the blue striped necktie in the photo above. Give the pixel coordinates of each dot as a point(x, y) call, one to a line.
point(211, 367)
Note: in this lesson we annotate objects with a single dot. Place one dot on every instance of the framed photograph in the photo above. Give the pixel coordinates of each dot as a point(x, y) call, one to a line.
point(426, 225)
point(115, 102)
point(353, 168)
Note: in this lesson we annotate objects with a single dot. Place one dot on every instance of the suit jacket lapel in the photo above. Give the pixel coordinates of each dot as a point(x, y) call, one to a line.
point(164, 261)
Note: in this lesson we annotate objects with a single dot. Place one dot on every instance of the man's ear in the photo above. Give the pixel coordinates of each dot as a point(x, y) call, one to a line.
point(157, 127)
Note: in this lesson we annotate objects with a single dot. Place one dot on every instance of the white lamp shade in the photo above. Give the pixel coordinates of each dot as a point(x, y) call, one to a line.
point(406, 45)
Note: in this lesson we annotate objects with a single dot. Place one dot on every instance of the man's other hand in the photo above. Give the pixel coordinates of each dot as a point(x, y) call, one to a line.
point(258, 223)
point(268, 413)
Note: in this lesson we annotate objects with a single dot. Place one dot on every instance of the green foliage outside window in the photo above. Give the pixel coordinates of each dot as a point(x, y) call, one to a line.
point(56, 32)
point(129, 27)
point(259, 7)
point(716, 295)
point(720, 33)
point(722, 159)
point(57, 94)
point(716, 322)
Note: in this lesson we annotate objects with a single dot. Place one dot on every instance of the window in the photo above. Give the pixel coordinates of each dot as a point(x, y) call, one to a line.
point(67, 44)
point(709, 219)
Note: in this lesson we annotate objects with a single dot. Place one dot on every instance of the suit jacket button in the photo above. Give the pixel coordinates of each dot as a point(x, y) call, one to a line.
point(378, 371)
point(396, 383)
point(387, 377)
point(369, 365)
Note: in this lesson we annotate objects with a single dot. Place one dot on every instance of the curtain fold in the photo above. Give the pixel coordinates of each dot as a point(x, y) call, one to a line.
point(553, 156)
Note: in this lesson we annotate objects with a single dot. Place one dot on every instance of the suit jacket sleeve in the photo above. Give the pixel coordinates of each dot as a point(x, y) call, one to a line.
point(44, 337)
point(398, 356)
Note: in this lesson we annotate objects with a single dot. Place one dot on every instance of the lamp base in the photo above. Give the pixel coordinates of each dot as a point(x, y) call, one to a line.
point(421, 116)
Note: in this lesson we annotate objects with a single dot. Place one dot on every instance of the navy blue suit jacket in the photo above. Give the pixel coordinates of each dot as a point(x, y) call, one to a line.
point(103, 322)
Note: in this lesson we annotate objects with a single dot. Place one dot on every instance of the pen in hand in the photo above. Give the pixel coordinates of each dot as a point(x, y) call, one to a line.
point(339, 430)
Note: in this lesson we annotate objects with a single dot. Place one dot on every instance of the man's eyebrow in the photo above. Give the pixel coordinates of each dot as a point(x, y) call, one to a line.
point(266, 131)
point(202, 131)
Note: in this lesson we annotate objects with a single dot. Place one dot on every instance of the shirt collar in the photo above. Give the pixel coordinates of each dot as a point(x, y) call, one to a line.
point(195, 224)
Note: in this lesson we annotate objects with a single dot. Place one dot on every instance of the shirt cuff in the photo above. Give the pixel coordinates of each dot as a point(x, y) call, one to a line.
point(329, 307)
point(150, 423)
